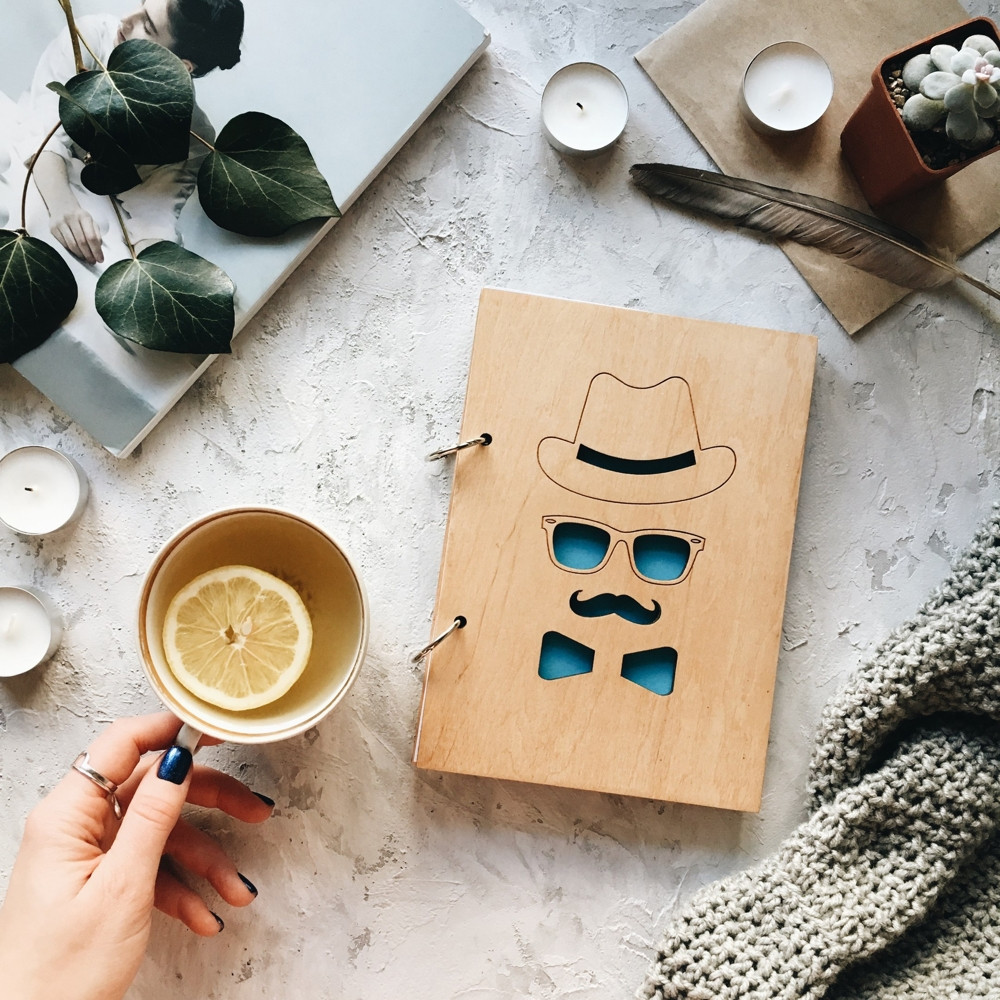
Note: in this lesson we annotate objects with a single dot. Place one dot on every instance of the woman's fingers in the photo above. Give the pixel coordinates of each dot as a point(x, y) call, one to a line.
point(176, 900)
point(77, 232)
point(115, 755)
point(65, 235)
point(153, 792)
point(215, 790)
point(201, 855)
point(150, 818)
point(88, 238)
point(212, 789)
point(198, 854)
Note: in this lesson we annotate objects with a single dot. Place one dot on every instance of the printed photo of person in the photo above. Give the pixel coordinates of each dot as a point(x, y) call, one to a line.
point(353, 80)
point(206, 35)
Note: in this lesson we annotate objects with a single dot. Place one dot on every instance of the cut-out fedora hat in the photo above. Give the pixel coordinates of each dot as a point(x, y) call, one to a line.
point(636, 444)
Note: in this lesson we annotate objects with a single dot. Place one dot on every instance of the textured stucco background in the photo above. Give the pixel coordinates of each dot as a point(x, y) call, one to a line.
point(375, 877)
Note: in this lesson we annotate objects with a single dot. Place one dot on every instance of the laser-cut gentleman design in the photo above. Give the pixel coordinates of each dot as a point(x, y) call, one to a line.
point(636, 445)
point(633, 446)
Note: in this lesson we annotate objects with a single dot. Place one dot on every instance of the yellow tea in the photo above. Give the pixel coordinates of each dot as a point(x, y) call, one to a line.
point(294, 550)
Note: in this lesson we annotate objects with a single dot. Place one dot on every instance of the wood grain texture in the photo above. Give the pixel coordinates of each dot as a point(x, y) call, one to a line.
point(546, 376)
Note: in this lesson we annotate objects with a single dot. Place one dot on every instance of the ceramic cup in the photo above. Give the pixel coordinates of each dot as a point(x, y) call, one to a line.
point(304, 556)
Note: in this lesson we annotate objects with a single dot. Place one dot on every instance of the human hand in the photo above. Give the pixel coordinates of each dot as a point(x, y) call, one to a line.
point(78, 912)
point(74, 227)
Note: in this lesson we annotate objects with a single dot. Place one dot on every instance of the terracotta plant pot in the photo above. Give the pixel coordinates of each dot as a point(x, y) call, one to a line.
point(879, 147)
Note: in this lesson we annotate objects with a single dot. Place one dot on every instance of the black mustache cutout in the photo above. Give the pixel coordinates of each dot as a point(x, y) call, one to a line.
point(614, 604)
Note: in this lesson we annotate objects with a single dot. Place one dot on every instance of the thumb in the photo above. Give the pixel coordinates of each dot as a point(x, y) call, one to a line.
point(150, 817)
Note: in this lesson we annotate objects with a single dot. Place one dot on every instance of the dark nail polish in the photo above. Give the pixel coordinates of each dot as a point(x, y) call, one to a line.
point(265, 799)
point(247, 883)
point(175, 765)
point(219, 920)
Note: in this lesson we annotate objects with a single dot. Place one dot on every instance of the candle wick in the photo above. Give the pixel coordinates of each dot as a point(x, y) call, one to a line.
point(29, 489)
point(9, 626)
point(579, 105)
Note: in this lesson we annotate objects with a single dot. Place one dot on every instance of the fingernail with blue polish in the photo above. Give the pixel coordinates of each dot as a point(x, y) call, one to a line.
point(265, 799)
point(219, 920)
point(247, 883)
point(175, 765)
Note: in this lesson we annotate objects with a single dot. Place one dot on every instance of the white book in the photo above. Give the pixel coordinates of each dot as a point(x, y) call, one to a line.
point(354, 79)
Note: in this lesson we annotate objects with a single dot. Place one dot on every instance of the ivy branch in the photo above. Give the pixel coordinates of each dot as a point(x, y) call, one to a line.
point(121, 222)
point(76, 39)
point(74, 35)
point(27, 181)
point(27, 178)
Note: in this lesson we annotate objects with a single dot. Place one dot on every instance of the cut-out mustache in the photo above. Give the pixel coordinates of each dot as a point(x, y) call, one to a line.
point(614, 604)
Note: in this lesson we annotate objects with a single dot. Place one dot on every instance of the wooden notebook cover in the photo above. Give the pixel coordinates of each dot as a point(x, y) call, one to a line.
point(655, 435)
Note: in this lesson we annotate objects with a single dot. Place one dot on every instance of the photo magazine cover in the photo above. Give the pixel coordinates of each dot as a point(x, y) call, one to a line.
point(354, 80)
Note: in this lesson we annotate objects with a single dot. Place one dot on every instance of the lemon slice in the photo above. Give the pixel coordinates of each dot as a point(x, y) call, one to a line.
point(237, 637)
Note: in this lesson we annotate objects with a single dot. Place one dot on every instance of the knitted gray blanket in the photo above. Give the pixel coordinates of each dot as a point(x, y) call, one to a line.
point(891, 888)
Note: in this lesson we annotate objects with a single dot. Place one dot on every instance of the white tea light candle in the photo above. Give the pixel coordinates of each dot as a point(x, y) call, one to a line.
point(30, 630)
point(41, 490)
point(584, 109)
point(787, 87)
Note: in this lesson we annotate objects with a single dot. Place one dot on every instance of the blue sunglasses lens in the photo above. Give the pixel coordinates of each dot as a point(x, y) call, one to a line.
point(661, 557)
point(579, 546)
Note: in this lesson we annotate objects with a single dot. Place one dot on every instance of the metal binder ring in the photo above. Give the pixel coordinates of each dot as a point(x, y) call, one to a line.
point(483, 439)
point(459, 622)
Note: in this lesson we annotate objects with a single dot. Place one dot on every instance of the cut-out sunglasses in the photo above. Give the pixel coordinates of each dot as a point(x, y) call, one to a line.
point(660, 556)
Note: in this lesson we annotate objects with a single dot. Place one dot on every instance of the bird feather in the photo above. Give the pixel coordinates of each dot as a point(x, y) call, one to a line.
point(865, 242)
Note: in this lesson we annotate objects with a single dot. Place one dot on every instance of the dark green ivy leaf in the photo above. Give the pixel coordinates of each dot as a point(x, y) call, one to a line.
point(141, 104)
point(261, 179)
point(109, 170)
point(37, 292)
point(109, 177)
point(169, 299)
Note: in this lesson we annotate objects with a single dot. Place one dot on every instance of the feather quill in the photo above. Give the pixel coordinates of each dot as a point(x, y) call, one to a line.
point(861, 240)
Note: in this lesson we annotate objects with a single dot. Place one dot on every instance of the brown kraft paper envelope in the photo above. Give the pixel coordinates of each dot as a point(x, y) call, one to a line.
point(698, 64)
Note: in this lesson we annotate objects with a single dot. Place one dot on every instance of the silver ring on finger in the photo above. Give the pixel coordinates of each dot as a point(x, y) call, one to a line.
point(82, 766)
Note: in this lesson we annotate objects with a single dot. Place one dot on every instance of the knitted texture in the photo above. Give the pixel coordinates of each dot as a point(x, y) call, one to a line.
point(891, 888)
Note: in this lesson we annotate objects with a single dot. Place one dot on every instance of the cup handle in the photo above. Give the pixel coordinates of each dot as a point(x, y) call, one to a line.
point(188, 738)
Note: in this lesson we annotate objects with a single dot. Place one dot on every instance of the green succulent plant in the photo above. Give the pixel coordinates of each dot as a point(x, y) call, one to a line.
point(959, 86)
